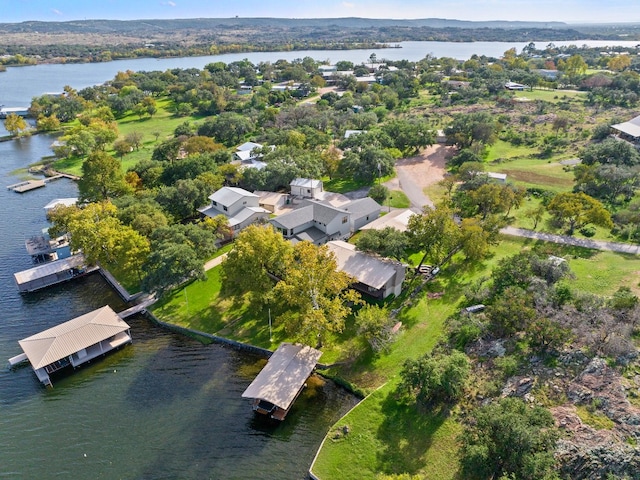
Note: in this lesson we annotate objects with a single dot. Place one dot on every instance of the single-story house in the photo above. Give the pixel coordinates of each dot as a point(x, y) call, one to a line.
point(348, 133)
point(241, 207)
point(398, 219)
point(514, 86)
point(306, 187)
point(377, 277)
point(629, 130)
point(498, 177)
point(271, 201)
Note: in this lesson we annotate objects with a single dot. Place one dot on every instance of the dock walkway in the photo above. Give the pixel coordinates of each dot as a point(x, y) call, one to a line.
point(28, 185)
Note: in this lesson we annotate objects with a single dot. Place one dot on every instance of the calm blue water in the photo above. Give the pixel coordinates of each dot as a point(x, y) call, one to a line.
point(18, 85)
point(166, 407)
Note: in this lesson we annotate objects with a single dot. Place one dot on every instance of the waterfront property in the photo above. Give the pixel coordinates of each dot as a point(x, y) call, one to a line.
point(282, 379)
point(43, 248)
point(376, 276)
point(73, 343)
point(241, 207)
point(51, 273)
point(20, 111)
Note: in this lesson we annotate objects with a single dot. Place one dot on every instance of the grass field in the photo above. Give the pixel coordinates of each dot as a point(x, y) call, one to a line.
point(553, 96)
point(505, 150)
point(533, 172)
point(163, 123)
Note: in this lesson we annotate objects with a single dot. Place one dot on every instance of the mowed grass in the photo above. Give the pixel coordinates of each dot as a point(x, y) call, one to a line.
point(398, 199)
point(553, 96)
point(532, 172)
point(505, 150)
point(164, 122)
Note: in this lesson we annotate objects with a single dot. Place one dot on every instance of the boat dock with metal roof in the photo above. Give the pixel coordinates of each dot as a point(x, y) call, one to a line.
point(73, 343)
point(282, 379)
point(51, 273)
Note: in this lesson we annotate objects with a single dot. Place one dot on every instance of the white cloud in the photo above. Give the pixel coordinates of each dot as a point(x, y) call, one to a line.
point(170, 4)
point(55, 11)
point(348, 5)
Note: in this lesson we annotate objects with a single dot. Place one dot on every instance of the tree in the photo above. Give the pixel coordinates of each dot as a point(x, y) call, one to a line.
point(367, 165)
point(171, 264)
point(313, 294)
point(101, 237)
point(228, 128)
point(435, 378)
point(15, 124)
point(619, 63)
point(573, 67)
point(611, 151)
point(576, 210)
point(607, 182)
point(134, 138)
point(102, 178)
point(467, 129)
point(507, 438)
point(511, 312)
point(48, 124)
point(122, 147)
point(379, 193)
point(259, 256)
point(375, 325)
point(435, 233)
point(388, 242)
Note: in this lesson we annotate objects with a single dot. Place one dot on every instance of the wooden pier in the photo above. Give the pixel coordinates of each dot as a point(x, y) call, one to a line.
point(28, 185)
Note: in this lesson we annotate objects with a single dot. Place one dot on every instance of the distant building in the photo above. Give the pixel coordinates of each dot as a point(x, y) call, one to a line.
point(629, 131)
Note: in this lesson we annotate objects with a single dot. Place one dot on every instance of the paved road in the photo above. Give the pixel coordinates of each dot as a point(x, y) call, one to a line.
point(578, 242)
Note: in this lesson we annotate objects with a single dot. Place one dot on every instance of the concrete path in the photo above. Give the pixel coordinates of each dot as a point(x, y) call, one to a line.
point(577, 242)
point(214, 262)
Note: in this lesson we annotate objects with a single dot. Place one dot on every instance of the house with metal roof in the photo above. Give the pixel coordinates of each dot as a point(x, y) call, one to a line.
point(282, 379)
point(306, 187)
point(51, 273)
point(629, 131)
point(239, 206)
point(73, 343)
point(363, 211)
point(376, 276)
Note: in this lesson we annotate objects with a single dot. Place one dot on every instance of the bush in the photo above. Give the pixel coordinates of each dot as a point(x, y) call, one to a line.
point(588, 231)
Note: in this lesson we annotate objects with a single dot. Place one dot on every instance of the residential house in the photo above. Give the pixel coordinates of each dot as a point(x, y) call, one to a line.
point(246, 156)
point(514, 86)
point(239, 206)
point(377, 277)
point(629, 131)
point(314, 222)
point(306, 187)
point(498, 177)
point(319, 222)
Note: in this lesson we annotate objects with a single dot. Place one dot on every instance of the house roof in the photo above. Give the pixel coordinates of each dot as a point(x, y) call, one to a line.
point(324, 213)
point(497, 176)
point(244, 155)
point(348, 133)
point(398, 219)
point(296, 217)
point(305, 183)
point(632, 127)
point(362, 207)
point(367, 269)
point(284, 375)
point(270, 198)
point(70, 337)
point(312, 234)
point(248, 146)
point(229, 195)
point(50, 268)
point(67, 202)
point(245, 214)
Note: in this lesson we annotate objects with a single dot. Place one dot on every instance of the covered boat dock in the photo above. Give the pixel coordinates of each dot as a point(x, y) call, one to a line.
point(74, 342)
point(282, 379)
point(51, 273)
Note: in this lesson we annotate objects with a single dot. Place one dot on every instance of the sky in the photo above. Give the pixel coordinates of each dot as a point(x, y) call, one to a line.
point(569, 11)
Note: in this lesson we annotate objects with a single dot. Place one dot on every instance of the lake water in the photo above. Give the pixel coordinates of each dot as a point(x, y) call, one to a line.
point(165, 407)
point(18, 85)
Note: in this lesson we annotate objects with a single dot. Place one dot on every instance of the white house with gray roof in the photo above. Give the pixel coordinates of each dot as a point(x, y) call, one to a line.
point(319, 222)
point(629, 131)
point(239, 206)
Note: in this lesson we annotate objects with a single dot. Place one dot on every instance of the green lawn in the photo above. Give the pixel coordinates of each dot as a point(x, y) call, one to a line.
point(537, 173)
point(397, 199)
point(505, 150)
point(163, 122)
point(553, 96)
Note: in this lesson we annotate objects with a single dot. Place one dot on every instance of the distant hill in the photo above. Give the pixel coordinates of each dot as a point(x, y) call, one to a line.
point(138, 26)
